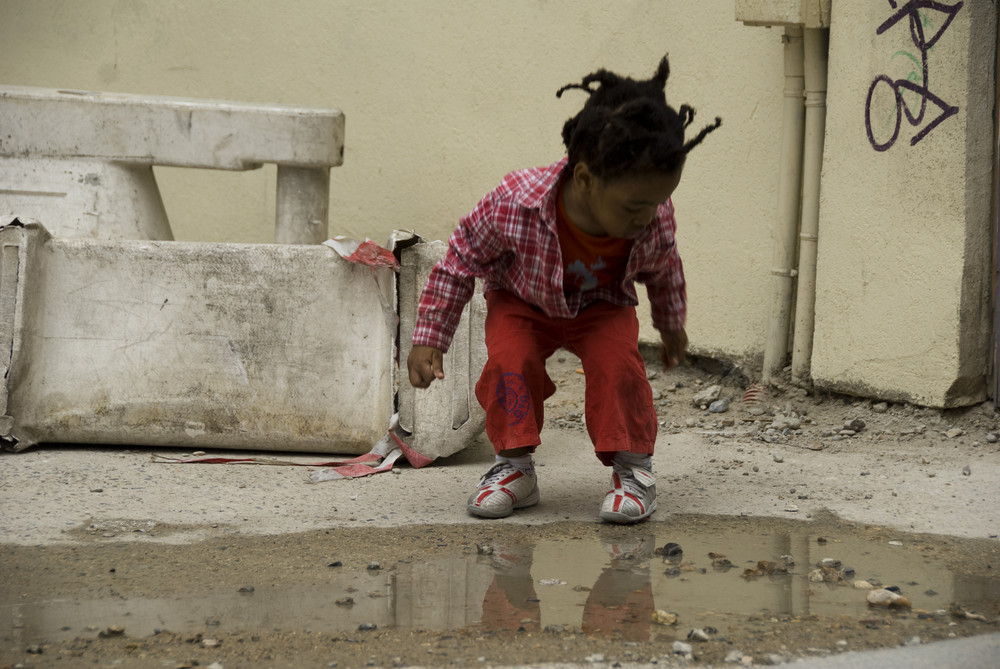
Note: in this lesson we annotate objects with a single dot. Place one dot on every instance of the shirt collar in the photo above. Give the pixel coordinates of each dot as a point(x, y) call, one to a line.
point(540, 193)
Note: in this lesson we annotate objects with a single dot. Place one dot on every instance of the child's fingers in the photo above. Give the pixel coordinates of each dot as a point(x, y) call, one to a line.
point(424, 365)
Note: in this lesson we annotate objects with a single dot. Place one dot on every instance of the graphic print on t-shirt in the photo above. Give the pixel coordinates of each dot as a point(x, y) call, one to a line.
point(581, 277)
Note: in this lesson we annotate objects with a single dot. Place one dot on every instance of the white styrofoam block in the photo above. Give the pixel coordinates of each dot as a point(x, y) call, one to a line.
point(84, 198)
point(163, 130)
point(245, 346)
point(446, 416)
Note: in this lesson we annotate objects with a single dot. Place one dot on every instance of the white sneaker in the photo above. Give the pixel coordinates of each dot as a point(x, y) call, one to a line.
point(501, 490)
point(632, 496)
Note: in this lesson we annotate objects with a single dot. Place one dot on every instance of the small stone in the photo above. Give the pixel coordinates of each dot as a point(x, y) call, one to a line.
point(345, 601)
point(210, 643)
point(863, 585)
point(719, 406)
point(697, 635)
point(336, 563)
point(855, 424)
point(374, 566)
point(888, 598)
point(783, 422)
point(733, 657)
point(198, 453)
point(367, 627)
point(112, 630)
point(966, 470)
point(778, 457)
point(991, 438)
point(880, 407)
point(661, 617)
point(247, 590)
point(671, 549)
point(954, 432)
point(706, 396)
point(681, 648)
point(791, 508)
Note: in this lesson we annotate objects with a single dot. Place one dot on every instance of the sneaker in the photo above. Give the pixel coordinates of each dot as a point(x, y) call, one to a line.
point(632, 496)
point(501, 490)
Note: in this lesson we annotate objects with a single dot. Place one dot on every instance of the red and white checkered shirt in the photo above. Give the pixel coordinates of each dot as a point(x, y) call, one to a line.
point(510, 241)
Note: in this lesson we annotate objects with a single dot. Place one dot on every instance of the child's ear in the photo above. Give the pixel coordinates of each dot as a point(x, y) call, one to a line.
point(583, 177)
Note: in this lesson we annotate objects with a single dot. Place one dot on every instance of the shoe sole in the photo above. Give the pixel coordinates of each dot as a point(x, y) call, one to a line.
point(530, 500)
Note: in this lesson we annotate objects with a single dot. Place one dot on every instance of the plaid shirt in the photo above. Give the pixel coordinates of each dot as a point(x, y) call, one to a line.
point(509, 239)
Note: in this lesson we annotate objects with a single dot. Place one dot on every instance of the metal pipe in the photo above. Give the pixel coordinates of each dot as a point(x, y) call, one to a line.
point(816, 43)
point(789, 190)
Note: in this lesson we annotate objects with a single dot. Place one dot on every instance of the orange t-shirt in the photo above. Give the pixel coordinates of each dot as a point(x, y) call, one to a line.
point(588, 261)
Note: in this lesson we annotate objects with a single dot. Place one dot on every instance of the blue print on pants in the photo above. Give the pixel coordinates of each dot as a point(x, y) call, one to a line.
point(512, 395)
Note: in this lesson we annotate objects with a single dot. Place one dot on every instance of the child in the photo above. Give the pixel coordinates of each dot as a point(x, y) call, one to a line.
point(560, 248)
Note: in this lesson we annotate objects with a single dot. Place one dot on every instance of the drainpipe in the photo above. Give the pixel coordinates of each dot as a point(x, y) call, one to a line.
point(816, 43)
point(789, 190)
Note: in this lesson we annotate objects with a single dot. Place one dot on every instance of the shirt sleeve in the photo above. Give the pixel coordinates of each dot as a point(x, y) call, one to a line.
point(667, 288)
point(472, 248)
point(668, 296)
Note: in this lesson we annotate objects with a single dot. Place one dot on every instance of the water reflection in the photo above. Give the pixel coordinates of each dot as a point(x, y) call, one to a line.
point(609, 583)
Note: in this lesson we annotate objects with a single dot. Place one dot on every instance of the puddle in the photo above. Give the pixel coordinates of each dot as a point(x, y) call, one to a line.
point(577, 578)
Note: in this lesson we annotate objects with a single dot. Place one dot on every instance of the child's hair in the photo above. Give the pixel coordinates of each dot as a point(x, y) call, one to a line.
point(627, 127)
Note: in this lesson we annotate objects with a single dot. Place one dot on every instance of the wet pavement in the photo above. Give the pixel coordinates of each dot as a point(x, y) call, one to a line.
point(727, 588)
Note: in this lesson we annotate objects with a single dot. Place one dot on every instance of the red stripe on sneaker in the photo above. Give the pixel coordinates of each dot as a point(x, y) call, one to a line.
point(513, 477)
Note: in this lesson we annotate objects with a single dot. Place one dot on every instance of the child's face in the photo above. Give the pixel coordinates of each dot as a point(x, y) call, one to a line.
point(625, 207)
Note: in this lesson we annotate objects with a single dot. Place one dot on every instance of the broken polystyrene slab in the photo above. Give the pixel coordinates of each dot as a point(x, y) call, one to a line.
point(84, 197)
point(445, 417)
point(244, 346)
point(190, 344)
point(372, 255)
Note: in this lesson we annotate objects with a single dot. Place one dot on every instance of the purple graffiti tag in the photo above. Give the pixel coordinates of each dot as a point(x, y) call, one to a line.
point(911, 10)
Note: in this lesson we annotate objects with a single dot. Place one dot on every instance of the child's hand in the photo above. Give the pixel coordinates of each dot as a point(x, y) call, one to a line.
point(425, 363)
point(674, 343)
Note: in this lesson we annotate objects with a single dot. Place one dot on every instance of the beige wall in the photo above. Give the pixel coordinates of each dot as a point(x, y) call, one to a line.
point(443, 97)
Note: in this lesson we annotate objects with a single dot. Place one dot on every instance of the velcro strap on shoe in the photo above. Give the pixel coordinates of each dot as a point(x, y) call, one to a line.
point(644, 477)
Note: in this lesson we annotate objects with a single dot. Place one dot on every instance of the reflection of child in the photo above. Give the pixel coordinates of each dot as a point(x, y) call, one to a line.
point(560, 248)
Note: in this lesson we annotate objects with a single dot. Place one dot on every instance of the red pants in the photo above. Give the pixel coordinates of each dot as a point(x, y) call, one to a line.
point(514, 384)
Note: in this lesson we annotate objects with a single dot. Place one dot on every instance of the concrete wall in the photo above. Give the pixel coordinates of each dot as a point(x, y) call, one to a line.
point(442, 98)
point(903, 281)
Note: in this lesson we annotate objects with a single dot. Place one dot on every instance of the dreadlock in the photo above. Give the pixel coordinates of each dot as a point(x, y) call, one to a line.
point(626, 126)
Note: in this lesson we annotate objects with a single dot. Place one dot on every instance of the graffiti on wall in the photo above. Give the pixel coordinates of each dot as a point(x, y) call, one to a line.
point(910, 96)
